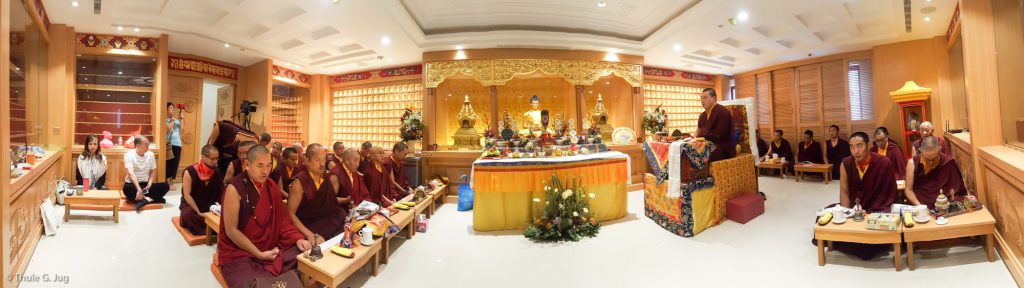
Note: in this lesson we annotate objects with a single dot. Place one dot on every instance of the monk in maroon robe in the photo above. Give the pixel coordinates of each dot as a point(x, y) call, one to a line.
point(286, 170)
point(235, 167)
point(201, 186)
point(762, 147)
point(400, 186)
point(378, 179)
point(364, 152)
point(715, 125)
point(931, 172)
point(885, 147)
point(334, 159)
point(298, 151)
point(836, 149)
point(928, 131)
point(780, 146)
point(257, 238)
point(313, 202)
point(868, 179)
point(226, 136)
point(809, 150)
point(351, 187)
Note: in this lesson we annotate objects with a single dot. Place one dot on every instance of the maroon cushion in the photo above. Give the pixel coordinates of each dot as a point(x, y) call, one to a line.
point(744, 208)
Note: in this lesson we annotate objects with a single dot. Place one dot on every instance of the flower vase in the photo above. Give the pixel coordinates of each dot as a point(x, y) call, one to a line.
point(414, 146)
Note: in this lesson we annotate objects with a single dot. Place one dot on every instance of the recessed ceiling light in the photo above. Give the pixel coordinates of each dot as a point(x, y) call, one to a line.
point(677, 47)
point(602, 4)
point(743, 16)
point(385, 40)
point(226, 45)
point(136, 29)
point(119, 72)
point(119, 28)
point(926, 19)
point(389, 59)
point(83, 67)
point(458, 47)
point(335, 1)
point(74, 3)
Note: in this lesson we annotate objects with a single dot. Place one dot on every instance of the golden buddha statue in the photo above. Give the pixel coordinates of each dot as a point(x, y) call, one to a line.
point(466, 136)
point(534, 119)
point(599, 118)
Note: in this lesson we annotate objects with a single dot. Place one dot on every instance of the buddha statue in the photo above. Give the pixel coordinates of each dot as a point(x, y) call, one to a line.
point(466, 136)
point(599, 118)
point(535, 119)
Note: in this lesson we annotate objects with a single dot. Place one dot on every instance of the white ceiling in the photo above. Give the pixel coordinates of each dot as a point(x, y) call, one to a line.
point(318, 36)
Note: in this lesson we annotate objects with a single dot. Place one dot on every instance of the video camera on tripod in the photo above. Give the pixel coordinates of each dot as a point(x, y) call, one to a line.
point(244, 109)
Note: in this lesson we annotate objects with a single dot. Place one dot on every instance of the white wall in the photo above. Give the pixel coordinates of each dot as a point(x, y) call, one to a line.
point(209, 111)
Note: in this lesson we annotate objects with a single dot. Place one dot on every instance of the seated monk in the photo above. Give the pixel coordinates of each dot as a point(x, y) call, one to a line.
point(287, 170)
point(235, 167)
point(257, 238)
point(334, 159)
point(400, 186)
point(931, 171)
point(809, 150)
point(927, 131)
point(201, 186)
point(836, 149)
point(715, 125)
point(377, 179)
point(351, 187)
point(780, 146)
point(313, 203)
point(364, 154)
point(868, 179)
point(298, 151)
point(762, 147)
point(885, 147)
point(225, 136)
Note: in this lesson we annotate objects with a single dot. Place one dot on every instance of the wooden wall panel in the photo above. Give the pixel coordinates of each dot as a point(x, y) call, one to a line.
point(1003, 191)
point(834, 100)
point(24, 226)
point(893, 65)
point(783, 108)
point(745, 87)
point(809, 100)
point(188, 91)
point(763, 90)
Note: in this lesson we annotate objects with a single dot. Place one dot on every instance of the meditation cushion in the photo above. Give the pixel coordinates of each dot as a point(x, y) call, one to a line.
point(744, 208)
point(215, 270)
point(190, 239)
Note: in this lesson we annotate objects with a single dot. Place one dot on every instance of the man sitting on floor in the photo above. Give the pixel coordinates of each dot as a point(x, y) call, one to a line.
point(400, 186)
point(286, 170)
point(257, 238)
point(762, 147)
point(351, 187)
point(931, 171)
point(236, 168)
point(201, 186)
point(334, 159)
point(868, 179)
point(140, 167)
point(927, 131)
point(810, 150)
point(836, 149)
point(313, 201)
point(378, 178)
point(780, 146)
point(885, 147)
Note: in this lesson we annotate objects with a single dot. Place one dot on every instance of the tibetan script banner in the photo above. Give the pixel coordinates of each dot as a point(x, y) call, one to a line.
point(401, 71)
point(651, 71)
point(202, 67)
point(290, 74)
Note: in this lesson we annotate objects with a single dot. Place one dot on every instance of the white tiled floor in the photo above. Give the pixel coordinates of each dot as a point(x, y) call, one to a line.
point(773, 250)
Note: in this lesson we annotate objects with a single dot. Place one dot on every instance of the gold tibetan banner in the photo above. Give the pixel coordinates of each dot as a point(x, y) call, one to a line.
point(497, 72)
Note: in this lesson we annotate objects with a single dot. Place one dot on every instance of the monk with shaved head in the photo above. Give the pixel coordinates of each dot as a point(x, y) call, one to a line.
point(931, 171)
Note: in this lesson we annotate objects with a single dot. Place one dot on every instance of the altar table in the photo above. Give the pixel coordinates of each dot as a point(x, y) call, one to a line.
point(504, 188)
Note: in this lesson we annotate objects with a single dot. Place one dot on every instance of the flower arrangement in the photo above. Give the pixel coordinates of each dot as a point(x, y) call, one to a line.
point(565, 215)
point(412, 128)
point(655, 121)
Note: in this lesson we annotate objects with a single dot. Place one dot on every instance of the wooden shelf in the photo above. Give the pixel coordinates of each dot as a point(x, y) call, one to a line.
point(114, 88)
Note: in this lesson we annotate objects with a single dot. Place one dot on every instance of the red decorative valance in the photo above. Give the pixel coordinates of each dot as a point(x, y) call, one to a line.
point(202, 67)
point(84, 40)
point(401, 71)
point(293, 75)
point(651, 71)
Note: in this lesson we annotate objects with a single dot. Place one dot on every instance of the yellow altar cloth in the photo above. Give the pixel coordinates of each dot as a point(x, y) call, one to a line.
point(503, 190)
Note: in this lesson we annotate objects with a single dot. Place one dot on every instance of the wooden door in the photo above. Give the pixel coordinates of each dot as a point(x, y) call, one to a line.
point(187, 91)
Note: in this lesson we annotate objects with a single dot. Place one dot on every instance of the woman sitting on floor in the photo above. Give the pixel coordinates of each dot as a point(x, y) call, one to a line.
point(92, 164)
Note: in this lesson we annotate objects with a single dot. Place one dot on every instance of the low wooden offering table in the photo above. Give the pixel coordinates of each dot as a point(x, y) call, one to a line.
point(976, 223)
point(110, 198)
point(333, 269)
point(212, 224)
point(824, 169)
point(857, 232)
point(771, 165)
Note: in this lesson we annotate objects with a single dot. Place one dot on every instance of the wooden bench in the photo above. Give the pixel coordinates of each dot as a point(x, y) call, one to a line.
point(212, 225)
point(190, 239)
point(781, 166)
point(103, 198)
point(824, 169)
point(332, 269)
point(405, 220)
point(123, 206)
point(437, 195)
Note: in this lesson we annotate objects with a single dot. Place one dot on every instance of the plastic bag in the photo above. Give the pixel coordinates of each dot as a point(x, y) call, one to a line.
point(465, 195)
point(51, 218)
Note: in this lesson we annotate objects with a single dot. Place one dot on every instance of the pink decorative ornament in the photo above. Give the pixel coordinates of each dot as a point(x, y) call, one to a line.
point(106, 143)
